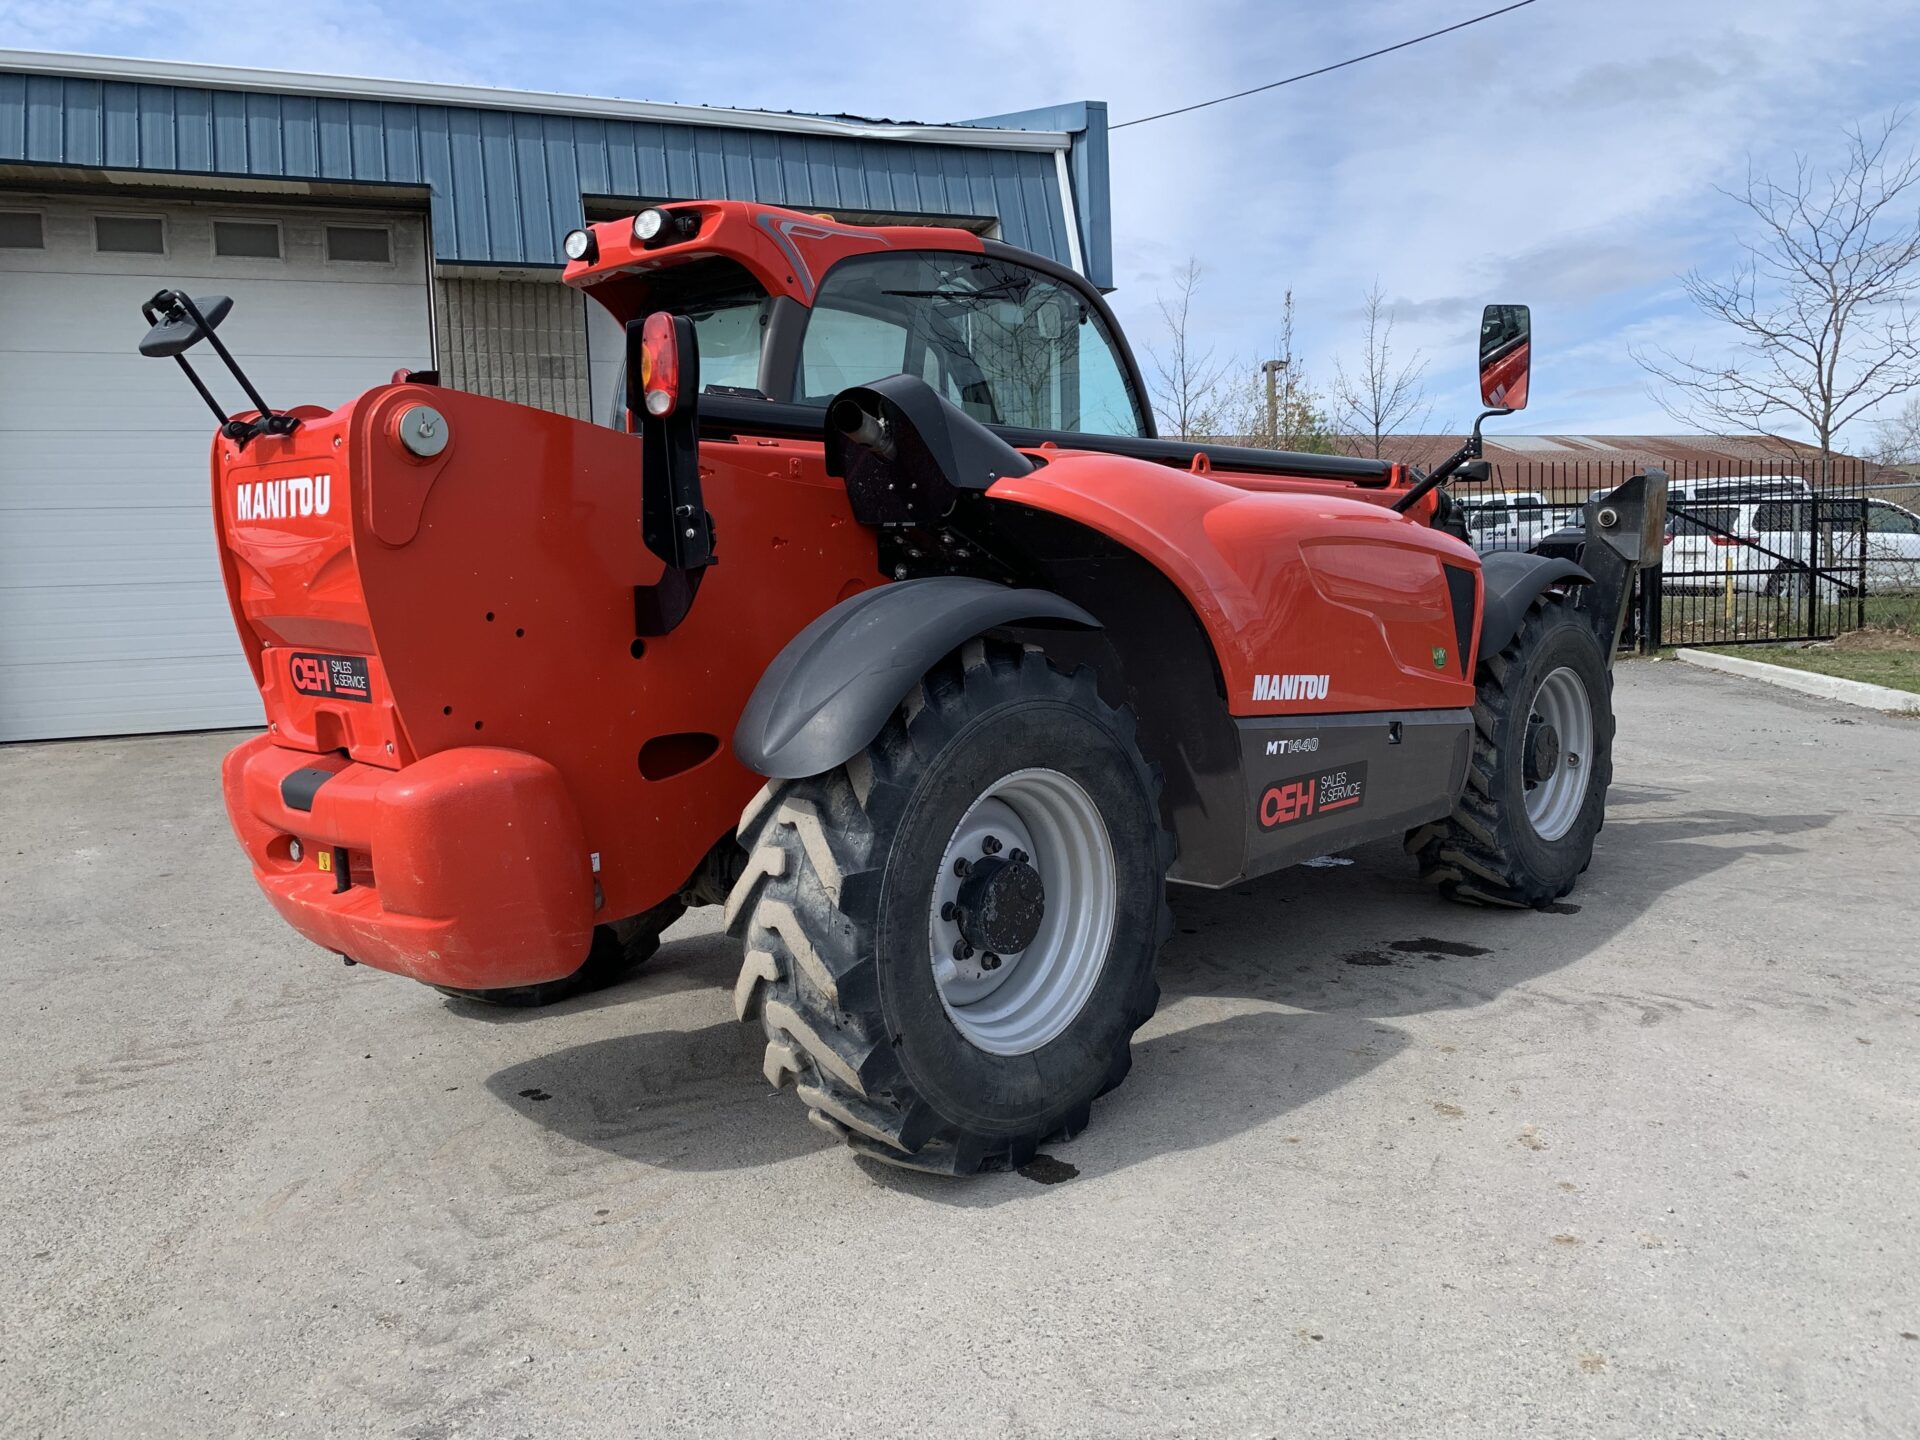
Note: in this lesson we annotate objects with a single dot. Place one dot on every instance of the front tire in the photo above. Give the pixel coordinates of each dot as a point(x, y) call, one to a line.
point(1523, 829)
point(1005, 805)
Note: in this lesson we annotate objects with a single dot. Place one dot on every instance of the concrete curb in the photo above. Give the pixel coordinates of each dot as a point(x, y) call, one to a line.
point(1807, 682)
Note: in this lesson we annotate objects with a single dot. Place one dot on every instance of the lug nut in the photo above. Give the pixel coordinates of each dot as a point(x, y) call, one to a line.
point(991, 844)
point(989, 961)
point(946, 911)
point(960, 867)
point(964, 951)
point(1017, 855)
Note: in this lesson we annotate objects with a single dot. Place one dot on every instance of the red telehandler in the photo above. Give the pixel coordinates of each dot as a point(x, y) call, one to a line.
point(881, 618)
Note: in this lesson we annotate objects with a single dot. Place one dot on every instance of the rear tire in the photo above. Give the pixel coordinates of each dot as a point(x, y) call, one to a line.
point(1523, 829)
point(617, 951)
point(897, 1045)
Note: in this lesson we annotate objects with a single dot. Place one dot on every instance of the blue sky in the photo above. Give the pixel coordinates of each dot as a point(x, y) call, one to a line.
point(1564, 155)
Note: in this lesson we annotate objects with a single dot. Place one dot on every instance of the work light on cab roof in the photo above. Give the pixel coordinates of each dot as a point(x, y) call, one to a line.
point(663, 227)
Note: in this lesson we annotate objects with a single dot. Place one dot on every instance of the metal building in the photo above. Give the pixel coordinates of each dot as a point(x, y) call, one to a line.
point(361, 226)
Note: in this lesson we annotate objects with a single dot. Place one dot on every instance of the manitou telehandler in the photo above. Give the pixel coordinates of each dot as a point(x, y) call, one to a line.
point(882, 618)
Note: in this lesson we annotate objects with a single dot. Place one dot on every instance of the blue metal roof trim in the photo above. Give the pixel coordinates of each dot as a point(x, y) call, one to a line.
point(505, 186)
point(1086, 122)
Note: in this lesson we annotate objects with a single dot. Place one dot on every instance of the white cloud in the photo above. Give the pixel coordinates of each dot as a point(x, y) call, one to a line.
point(1563, 155)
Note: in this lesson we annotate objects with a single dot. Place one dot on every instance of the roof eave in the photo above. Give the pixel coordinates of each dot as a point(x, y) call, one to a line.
point(234, 77)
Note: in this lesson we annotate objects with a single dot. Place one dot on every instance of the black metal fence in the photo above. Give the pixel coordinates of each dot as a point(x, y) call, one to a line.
point(1753, 552)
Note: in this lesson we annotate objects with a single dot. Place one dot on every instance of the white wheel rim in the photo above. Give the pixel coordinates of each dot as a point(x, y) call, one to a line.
point(1554, 801)
point(1034, 994)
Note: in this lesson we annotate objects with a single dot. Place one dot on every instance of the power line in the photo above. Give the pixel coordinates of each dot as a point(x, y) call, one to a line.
point(1324, 69)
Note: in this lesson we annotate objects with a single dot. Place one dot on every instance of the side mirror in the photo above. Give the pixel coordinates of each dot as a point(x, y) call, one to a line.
point(180, 322)
point(1506, 356)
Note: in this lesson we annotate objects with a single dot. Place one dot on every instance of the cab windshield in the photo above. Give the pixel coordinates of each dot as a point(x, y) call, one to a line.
point(1006, 343)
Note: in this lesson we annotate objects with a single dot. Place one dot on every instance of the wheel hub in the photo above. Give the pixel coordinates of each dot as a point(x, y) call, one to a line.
point(1543, 751)
point(1558, 743)
point(1001, 904)
point(1022, 911)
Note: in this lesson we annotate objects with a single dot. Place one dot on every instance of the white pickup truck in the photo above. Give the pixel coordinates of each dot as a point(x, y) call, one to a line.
point(1509, 520)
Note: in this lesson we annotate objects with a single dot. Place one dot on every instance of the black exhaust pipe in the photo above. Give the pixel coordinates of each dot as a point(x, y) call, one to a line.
point(862, 426)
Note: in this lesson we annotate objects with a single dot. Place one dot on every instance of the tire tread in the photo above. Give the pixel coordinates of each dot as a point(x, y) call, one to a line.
point(1472, 855)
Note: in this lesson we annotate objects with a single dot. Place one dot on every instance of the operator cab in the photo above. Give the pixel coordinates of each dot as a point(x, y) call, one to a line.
point(1008, 337)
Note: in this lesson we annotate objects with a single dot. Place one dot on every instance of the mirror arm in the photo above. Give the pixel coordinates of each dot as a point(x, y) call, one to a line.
point(282, 424)
point(1444, 470)
point(271, 422)
point(219, 415)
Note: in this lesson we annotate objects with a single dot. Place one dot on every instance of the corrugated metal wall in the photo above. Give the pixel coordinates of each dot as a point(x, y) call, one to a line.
point(520, 340)
point(506, 186)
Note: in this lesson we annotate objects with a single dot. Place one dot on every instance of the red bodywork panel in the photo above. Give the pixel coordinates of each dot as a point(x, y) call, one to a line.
point(1290, 578)
point(503, 739)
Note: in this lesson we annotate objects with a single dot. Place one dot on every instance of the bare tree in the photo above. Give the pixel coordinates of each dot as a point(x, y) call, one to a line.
point(1896, 437)
point(1378, 397)
point(1186, 377)
point(1272, 405)
point(1820, 304)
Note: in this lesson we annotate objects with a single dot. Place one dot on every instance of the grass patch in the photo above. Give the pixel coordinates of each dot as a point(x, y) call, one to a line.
point(1878, 657)
point(1894, 612)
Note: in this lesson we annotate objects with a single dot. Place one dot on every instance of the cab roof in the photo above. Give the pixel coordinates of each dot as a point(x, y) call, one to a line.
point(787, 251)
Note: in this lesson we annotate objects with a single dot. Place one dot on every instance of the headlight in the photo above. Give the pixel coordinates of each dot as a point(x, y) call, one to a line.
point(580, 245)
point(665, 227)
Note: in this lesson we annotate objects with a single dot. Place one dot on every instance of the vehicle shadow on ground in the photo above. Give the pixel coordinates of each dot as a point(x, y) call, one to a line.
point(1315, 964)
point(694, 962)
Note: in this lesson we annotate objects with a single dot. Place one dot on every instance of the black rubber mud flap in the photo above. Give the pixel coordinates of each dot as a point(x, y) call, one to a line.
point(1513, 580)
point(826, 695)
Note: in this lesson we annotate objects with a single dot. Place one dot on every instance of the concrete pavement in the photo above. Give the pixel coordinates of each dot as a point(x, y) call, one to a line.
point(1383, 1166)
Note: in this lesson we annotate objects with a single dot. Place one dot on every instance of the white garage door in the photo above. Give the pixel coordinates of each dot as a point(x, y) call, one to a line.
point(113, 619)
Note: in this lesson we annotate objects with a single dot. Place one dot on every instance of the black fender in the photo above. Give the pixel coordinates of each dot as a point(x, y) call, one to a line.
point(826, 695)
point(1510, 581)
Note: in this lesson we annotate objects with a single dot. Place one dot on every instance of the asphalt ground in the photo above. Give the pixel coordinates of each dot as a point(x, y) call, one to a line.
point(1646, 1166)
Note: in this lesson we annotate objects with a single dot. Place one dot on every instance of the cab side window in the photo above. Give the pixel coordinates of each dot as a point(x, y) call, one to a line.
point(1007, 344)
